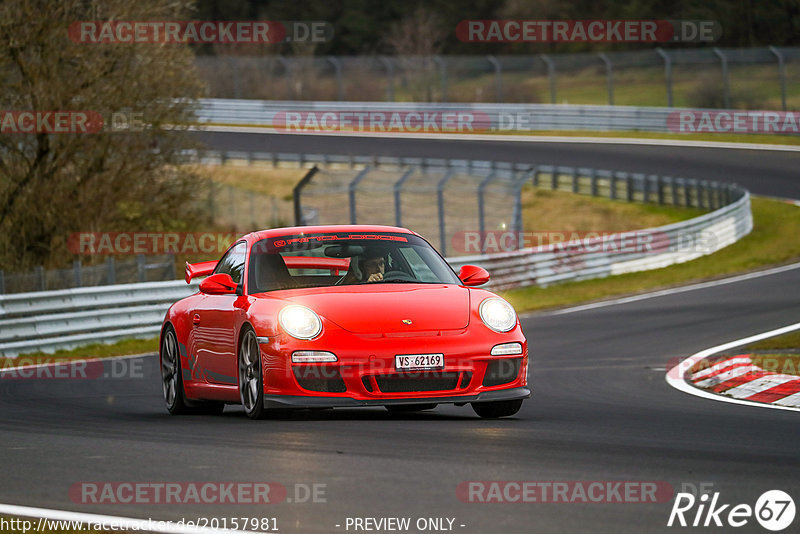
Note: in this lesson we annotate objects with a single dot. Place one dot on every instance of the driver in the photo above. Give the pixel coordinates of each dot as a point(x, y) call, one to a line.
point(368, 267)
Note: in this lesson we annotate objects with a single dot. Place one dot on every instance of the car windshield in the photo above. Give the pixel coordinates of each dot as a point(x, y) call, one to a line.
point(343, 258)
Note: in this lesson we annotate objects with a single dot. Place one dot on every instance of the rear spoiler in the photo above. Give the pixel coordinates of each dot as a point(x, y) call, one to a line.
point(203, 268)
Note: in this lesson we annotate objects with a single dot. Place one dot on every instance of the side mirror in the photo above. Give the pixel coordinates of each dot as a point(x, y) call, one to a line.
point(472, 275)
point(218, 284)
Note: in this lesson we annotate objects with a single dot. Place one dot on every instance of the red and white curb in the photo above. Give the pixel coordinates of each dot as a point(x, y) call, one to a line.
point(736, 379)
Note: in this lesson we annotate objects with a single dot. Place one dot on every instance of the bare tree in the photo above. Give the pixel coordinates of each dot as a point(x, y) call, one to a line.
point(125, 179)
point(416, 39)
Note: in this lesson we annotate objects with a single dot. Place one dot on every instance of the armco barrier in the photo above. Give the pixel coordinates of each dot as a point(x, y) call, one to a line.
point(421, 117)
point(487, 117)
point(50, 320)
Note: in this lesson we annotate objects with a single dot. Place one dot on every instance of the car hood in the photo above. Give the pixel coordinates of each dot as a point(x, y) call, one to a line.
point(383, 308)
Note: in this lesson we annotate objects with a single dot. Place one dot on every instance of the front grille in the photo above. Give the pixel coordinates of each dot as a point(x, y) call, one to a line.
point(319, 378)
point(501, 371)
point(417, 382)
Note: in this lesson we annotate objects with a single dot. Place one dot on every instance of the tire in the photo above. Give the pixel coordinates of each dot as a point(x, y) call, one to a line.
point(493, 410)
point(251, 381)
point(407, 408)
point(172, 381)
point(172, 374)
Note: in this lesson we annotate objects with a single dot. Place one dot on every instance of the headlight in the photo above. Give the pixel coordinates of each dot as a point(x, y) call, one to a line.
point(497, 314)
point(300, 322)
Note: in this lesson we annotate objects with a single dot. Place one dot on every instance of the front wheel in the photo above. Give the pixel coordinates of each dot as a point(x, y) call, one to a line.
point(493, 410)
point(251, 382)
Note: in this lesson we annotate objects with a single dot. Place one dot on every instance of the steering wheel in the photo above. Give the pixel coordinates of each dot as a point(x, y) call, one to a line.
point(398, 275)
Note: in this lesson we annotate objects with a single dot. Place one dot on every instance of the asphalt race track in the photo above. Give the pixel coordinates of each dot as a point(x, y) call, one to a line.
point(601, 409)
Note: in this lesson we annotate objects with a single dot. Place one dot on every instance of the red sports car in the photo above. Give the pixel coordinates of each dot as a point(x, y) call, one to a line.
point(341, 316)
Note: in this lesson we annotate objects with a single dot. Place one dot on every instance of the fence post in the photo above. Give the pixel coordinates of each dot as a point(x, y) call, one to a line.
point(660, 186)
point(781, 74)
point(593, 178)
point(551, 75)
point(701, 194)
point(612, 189)
point(481, 207)
point(41, 283)
point(287, 74)
point(237, 89)
point(298, 209)
point(111, 271)
point(141, 268)
point(232, 206)
point(387, 63)
point(673, 186)
point(442, 75)
point(498, 78)
point(629, 187)
point(351, 192)
point(76, 270)
point(2, 281)
point(211, 200)
point(726, 85)
point(398, 188)
point(337, 69)
point(575, 187)
point(516, 212)
point(440, 201)
point(609, 77)
point(667, 74)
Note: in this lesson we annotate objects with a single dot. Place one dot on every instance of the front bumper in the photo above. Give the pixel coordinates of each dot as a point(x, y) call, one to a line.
point(298, 401)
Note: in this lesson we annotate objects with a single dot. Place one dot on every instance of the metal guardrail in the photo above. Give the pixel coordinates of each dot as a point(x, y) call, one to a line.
point(481, 117)
point(50, 320)
point(666, 245)
point(465, 118)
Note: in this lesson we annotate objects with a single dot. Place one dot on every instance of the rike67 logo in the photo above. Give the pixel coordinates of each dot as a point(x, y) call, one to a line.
point(774, 510)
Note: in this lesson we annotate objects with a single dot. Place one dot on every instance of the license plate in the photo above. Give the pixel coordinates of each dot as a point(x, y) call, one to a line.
point(405, 362)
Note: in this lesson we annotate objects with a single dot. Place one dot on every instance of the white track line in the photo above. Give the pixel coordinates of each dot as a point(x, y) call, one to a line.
point(111, 522)
point(502, 138)
point(671, 291)
point(791, 400)
point(675, 377)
